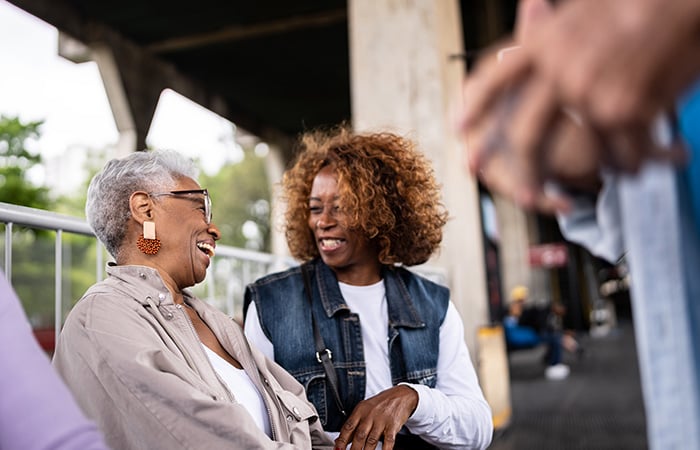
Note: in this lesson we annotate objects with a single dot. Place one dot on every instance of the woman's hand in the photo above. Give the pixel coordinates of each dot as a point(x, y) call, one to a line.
point(378, 418)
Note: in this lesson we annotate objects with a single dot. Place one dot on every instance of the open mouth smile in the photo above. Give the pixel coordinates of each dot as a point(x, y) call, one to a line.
point(206, 248)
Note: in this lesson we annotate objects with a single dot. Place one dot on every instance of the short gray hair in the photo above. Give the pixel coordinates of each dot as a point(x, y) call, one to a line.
point(107, 205)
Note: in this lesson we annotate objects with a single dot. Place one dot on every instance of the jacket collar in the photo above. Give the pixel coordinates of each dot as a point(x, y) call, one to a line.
point(143, 284)
point(402, 312)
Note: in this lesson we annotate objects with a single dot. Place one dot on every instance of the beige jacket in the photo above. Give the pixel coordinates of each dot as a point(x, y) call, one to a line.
point(132, 359)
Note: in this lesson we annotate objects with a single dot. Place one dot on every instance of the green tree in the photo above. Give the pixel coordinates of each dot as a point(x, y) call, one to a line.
point(241, 202)
point(15, 162)
point(73, 204)
point(33, 250)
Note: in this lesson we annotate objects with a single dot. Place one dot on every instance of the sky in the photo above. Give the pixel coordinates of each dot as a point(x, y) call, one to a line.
point(37, 84)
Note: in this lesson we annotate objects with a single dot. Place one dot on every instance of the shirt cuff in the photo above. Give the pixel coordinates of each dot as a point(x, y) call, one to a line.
point(423, 410)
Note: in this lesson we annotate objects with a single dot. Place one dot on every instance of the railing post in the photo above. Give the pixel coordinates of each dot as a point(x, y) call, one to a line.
point(58, 282)
point(8, 251)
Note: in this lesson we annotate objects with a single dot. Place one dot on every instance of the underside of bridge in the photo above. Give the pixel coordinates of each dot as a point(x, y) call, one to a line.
point(274, 68)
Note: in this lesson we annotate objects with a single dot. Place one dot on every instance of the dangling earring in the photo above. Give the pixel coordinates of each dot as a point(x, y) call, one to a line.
point(147, 242)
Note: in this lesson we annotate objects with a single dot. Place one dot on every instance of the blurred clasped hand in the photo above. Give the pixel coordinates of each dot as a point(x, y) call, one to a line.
point(575, 90)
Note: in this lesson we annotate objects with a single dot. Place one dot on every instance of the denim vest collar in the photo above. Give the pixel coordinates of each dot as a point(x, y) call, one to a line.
point(402, 312)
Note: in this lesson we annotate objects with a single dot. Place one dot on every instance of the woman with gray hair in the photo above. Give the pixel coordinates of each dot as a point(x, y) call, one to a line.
point(153, 365)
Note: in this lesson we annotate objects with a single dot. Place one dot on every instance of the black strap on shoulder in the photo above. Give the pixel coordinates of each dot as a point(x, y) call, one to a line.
point(323, 354)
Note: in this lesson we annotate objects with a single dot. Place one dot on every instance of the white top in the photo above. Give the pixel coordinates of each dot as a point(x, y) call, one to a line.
point(369, 302)
point(242, 388)
point(453, 415)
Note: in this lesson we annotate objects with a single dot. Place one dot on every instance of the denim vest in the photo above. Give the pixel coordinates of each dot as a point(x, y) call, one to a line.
point(416, 308)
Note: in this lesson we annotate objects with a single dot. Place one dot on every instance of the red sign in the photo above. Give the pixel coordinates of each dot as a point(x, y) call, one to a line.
point(548, 255)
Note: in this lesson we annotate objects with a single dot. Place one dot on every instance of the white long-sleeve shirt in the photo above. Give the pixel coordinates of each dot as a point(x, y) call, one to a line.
point(454, 414)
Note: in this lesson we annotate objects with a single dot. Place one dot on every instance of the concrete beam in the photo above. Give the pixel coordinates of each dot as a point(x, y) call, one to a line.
point(140, 74)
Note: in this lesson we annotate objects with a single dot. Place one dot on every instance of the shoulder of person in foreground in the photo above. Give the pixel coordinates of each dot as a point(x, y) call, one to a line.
point(37, 411)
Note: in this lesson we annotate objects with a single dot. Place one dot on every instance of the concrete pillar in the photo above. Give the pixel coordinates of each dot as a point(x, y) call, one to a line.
point(133, 84)
point(274, 167)
point(514, 244)
point(403, 79)
point(118, 101)
point(77, 52)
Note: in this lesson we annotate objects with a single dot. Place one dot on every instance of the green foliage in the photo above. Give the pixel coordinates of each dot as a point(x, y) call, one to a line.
point(240, 192)
point(14, 135)
point(16, 160)
point(74, 204)
point(33, 250)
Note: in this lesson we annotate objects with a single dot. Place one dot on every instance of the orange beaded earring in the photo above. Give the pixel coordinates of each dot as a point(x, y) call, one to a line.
point(147, 242)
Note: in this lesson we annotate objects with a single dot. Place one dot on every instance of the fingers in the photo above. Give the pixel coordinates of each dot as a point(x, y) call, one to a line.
point(628, 149)
point(588, 57)
point(360, 433)
point(486, 138)
point(505, 146)
point(572, 154)
point(365, 431)
point(378, 418)
point(527, 132)
point(625, 150)
point(484, 87)
point(529, 16)
point(619, 64)
point(367, 436)
point(500, 177)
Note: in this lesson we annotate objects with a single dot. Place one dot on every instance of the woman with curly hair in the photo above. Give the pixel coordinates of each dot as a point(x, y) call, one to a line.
point(379, 349)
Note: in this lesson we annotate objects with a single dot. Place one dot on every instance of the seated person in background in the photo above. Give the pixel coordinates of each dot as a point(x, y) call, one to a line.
point(156, 367)
point(521, 331)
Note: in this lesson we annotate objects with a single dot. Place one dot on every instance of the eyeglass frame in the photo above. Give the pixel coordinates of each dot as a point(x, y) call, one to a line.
point(205, 192)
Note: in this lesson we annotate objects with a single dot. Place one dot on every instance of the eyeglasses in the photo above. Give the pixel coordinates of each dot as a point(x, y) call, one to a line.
point(207, 199)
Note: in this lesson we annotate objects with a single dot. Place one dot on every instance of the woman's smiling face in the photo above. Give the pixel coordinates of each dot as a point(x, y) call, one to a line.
point(347, 252)
point(188, 241)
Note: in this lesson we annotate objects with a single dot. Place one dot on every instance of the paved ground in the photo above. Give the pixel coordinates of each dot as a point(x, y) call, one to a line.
point(599, 407)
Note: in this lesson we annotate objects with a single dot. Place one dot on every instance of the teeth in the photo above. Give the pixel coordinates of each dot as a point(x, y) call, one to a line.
point(330, 243)
point(207, 248)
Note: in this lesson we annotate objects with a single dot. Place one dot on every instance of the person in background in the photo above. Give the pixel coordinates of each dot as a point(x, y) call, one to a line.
point(155, 366)
point(609, 91)
point(526, 326)
point(360, 209)
point(37, 412)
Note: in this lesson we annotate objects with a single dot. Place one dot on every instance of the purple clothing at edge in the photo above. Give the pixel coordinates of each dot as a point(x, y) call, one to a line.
point(36, 409)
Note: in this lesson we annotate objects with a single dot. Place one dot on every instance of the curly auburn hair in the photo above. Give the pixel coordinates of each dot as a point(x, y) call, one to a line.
point(387, 190)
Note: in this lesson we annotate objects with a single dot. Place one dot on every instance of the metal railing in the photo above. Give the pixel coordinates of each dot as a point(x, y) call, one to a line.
point(231, 270)
point(227, 276)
